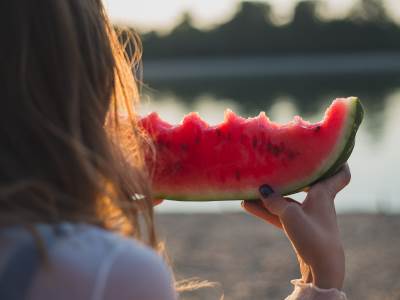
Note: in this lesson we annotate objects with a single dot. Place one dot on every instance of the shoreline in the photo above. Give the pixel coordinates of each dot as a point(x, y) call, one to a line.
point(279, 65)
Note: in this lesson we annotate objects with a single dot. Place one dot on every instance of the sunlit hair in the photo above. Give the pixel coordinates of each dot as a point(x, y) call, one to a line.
point(70, 146)
point(65, 83)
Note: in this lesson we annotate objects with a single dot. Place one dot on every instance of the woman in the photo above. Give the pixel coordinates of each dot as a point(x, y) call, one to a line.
point(68, 177)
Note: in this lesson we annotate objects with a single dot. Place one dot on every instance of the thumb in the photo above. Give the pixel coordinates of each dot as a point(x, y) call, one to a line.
point(339, 181)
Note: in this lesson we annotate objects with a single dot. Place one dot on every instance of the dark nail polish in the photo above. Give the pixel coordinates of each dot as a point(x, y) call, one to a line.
point(266, 190)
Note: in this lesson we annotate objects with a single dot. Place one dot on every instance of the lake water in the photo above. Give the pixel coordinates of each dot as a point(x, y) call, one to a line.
point(375, 162)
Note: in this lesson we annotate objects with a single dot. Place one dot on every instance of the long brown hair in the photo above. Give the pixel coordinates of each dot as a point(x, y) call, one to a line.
point(64, 82)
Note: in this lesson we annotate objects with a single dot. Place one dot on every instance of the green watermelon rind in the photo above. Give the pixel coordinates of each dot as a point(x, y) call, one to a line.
point(349, 136)
point(329, 168)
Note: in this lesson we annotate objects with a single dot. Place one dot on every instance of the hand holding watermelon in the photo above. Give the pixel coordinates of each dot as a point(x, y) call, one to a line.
point(311, 227)
point(198, 162)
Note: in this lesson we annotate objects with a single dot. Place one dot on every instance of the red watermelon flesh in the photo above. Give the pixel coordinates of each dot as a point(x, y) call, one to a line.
point(229, 161)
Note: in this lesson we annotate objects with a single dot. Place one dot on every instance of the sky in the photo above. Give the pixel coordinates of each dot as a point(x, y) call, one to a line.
point(164, 14)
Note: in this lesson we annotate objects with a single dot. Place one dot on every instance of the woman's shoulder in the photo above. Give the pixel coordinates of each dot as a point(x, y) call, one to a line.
point(93, 242)
point(95, 263)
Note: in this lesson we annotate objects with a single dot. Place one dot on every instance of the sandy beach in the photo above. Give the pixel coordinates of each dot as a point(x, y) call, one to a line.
point(253, 260)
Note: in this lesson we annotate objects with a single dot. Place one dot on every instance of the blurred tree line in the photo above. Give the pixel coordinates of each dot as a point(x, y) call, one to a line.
point(252, 32)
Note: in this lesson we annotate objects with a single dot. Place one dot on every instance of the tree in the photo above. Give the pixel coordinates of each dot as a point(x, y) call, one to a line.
point(370, 11)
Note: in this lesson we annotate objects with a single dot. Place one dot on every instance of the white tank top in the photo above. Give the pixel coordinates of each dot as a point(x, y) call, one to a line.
point(85, 263)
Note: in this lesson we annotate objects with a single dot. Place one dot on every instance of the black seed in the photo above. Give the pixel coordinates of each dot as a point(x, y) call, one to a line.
point(184, 147)
point(291, 154)
point(218, 132)
point(318, 128)
point(197, 140)
point(177, 167)
point(269, 146)
point(171, 169)
point(255, 142)
point(238, 175)
point(276, 150)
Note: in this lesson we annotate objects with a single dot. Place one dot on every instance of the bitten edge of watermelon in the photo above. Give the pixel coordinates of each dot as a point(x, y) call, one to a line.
point(354, 120)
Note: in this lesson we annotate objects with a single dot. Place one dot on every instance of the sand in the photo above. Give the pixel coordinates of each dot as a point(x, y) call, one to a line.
point(253, 260)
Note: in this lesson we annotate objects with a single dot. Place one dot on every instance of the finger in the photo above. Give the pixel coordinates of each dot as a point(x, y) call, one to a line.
point(292, 200)
point(289, 211)
point(297, 226)
point(274, 202)
point(337, 182)
point(323, 193)
point(256, 208)
point(157, 201)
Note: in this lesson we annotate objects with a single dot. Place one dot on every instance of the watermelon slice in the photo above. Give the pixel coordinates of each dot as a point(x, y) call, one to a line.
point(229, 161)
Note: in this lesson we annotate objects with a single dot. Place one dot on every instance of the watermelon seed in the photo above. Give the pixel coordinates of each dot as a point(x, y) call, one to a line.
point(229, 136)
point(177, 167)
point(318, 128)
point(276, 150)
point(269, 146)
point(255, 142)
point(238, 175)
point(184, 147)
point(171, 169)
point(197, 140)
point(218, 132)
point(291, 154)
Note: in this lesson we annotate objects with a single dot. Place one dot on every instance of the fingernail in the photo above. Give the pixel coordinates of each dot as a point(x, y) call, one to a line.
point(266, 190)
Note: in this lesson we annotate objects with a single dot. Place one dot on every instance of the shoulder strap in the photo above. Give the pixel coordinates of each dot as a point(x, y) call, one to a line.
point(17, 276)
